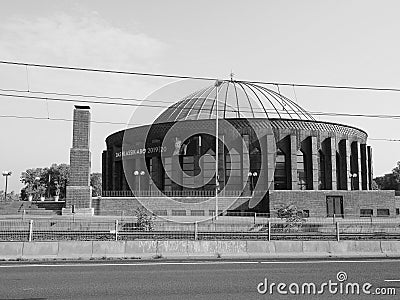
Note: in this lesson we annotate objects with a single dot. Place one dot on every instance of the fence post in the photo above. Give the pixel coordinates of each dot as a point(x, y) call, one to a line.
point(337, 232)
point(195, 231)
point(116, 230)
point(30, 230)
point(269, 230)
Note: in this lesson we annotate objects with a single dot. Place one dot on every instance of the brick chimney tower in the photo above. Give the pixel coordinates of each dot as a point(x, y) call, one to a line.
point(79, 191)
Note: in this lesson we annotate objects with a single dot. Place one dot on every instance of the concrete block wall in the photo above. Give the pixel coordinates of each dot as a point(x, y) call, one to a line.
point(182, 249)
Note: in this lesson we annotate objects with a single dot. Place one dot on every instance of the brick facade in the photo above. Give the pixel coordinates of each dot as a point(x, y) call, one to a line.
point(353, 201)
point(79, 192)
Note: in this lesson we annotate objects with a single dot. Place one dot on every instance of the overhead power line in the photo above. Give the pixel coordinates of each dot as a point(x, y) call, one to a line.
point(348, 87)
point(59, 99)
point(83, 95)
point(65, 120)
point(80, 101)
point(104, 71)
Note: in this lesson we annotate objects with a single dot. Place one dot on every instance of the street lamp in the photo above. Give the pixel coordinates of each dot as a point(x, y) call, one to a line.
point(252, 175)
point(140, 174)
point(6, 174)
point(353, 177)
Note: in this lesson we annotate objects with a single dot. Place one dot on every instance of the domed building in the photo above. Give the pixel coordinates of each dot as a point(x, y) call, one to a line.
point(271, 152)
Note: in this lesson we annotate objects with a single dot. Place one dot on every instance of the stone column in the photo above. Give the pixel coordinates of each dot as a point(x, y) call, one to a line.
point(79, 191)
point(333, 150)
point(346, 170)
point(271, 152)
point(358, 181)
point(370, 166)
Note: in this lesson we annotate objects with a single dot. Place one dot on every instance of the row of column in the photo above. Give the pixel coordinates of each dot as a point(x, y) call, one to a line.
point(332, 165)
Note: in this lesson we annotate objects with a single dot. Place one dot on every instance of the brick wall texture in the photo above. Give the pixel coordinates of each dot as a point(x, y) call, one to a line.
point(79, 192)
point(353, 201)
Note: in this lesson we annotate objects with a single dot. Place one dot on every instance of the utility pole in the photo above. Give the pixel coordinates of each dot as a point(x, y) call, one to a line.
point(217, 84)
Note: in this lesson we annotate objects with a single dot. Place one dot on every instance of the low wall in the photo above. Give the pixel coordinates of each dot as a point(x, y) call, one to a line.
point(146, 249)
point(353, 201)
point(116, 206)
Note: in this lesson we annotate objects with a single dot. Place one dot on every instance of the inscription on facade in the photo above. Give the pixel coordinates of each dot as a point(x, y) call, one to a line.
point(132, 152)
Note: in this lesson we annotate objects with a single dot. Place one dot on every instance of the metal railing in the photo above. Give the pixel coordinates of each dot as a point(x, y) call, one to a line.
point(184, 193)
point(246, 228)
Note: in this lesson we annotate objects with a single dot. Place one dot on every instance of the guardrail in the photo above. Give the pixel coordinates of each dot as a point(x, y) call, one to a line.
point(184, 193)
point(129, 229)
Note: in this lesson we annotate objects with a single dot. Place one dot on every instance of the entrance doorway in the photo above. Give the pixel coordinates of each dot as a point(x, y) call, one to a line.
point(334, 206)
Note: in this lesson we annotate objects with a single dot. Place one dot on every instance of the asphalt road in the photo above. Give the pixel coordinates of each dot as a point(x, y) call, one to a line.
point(192, 279)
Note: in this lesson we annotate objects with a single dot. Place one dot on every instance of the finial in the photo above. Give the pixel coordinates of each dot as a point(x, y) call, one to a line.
point(232, 75)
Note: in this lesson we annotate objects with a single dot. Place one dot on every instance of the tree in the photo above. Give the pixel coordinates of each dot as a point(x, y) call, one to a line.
point(45, 181)
point(11, 196)
point(52, 181)
point(33, 179)
point(96, 184)
point(293, 217)
point(58, 179)
point(390, 181)
point(145, 220)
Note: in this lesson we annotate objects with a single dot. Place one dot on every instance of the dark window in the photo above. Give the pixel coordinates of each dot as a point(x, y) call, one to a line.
point(301, 171)
point(334, 206)
point(197, 212)
point(321, 171)
point(233, 170)
point(188, 169)
point(160, 212)
point(209, 170)
point(382, 212)
point(338, 172)
point(397, 211)
point(280, 177)
point(168, 170)
point(212, 212)
point(306, 213)
point(176, 212)
point(364, 212)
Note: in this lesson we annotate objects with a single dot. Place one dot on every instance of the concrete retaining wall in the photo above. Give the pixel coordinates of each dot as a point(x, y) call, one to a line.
point(146, 249)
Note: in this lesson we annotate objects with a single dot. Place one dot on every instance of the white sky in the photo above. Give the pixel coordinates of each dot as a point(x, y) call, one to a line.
point(319, 42)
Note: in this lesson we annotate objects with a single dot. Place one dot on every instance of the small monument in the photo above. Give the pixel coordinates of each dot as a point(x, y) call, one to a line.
point(79, 191)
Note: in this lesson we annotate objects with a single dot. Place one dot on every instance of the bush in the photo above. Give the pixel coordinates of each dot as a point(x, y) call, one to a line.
point(293, 217)
point(145, 220)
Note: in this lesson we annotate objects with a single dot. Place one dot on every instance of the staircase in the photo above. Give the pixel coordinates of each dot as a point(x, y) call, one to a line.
point(31, 208)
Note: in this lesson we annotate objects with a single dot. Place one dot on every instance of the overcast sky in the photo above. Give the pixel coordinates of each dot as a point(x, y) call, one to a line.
point(318, 42)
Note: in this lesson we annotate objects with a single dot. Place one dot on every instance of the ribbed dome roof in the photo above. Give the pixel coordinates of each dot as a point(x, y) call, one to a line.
point(236, 99)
